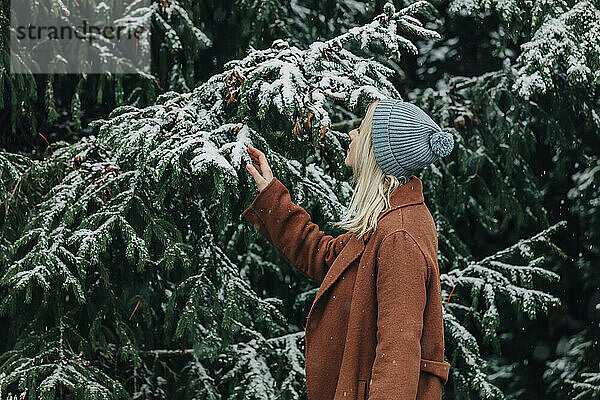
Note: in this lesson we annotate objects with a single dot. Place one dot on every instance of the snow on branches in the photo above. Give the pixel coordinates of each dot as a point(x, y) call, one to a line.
point(561, 39)
point(149, 206)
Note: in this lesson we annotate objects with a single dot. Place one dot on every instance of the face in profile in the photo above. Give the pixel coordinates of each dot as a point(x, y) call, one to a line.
point(353, 134)
point(350, 151)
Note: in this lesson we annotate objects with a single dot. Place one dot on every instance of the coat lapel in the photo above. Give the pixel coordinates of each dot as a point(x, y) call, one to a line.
point(351, 251)
point(409, 193)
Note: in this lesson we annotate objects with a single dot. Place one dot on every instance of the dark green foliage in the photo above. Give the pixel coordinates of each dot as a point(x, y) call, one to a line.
point(46, 104)
point(124, 258)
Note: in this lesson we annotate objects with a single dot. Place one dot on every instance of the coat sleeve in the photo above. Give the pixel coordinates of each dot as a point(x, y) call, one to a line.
point(289, 229)
point(402, 274)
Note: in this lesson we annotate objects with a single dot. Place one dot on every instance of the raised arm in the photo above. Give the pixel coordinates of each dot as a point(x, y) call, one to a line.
point(288, 227)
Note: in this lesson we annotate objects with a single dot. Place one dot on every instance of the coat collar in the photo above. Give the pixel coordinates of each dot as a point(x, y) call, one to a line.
point(404, 195)
point(407, 194)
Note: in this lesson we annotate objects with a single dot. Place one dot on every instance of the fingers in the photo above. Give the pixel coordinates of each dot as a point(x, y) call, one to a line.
point(260, 181)
point(256, 155)
point(260, 157)
point(254, 152)
point(261, 173)
point(264, 166)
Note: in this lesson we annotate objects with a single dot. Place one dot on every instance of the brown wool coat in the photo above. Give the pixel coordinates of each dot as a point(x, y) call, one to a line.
point(375, 329)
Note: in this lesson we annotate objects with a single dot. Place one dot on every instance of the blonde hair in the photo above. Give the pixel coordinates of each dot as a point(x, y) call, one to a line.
point(372, 187)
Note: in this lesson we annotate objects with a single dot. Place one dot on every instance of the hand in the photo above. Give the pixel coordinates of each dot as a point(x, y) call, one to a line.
point(262, 180)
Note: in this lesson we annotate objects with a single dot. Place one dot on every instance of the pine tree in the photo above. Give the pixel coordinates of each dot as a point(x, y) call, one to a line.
point(147, 216)
point(532, 125)
point(150, 207)
point(28, 103)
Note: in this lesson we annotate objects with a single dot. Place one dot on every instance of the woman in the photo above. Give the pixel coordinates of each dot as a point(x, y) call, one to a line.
point(375, 329)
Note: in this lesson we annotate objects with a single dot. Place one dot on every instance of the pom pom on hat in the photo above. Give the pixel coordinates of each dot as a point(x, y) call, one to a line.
point(441, 143)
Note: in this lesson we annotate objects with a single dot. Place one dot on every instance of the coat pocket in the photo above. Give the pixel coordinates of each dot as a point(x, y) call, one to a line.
point(361, 391)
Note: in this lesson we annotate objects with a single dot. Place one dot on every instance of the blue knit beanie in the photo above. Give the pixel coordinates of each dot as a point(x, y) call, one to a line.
point(406, 139)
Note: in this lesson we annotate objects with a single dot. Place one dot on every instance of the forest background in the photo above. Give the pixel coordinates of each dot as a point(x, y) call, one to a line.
point(126, 270)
